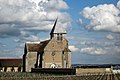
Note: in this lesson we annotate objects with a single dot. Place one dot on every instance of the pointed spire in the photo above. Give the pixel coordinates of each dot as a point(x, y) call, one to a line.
point(53, 29)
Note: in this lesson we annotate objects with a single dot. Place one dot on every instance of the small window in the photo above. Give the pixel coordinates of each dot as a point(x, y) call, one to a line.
point(59, 37)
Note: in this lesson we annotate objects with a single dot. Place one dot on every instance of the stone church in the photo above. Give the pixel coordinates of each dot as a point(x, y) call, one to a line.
point(52, 53)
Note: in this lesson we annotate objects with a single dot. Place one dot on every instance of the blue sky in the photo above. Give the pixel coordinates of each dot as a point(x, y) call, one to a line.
point(93, 27)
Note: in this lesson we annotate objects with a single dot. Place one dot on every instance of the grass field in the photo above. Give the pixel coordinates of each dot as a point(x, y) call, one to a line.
point(38, 76)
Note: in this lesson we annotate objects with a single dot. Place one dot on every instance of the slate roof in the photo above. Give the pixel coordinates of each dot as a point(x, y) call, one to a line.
point(43, 45)
point(36, 47)
point(10, 62)
point(32, 47)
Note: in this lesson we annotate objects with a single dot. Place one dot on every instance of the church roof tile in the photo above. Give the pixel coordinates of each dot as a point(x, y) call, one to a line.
point(36, 47)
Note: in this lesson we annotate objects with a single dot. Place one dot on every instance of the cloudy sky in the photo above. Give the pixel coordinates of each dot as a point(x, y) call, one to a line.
point(93, 27)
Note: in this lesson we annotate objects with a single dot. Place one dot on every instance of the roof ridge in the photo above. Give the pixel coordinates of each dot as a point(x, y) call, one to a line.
point(45, 41)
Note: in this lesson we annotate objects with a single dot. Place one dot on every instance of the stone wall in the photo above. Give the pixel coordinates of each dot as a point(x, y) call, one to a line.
point(91, 70)
point(30, 60)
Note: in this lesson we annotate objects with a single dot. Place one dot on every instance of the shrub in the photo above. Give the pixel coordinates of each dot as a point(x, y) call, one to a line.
point(12, 69)
point(19, 68)
point(0, 67)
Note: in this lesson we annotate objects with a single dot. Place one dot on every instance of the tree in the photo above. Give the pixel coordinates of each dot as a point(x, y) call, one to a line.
point(5, 68)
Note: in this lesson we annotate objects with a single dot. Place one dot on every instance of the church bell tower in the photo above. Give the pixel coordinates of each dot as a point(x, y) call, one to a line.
point(56, 34)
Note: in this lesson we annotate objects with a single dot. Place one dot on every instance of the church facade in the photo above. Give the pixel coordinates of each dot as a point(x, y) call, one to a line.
point(52, 53)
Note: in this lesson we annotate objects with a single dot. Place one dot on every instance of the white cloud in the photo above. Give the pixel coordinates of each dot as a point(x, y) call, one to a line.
point(56, 5)
point(118, 4)
point(93, 50)
point(7, 30)
point(23, 20)
point(106, 18)
point(102, 18)
point(31, 38)
point(117, 49)
point(2, 45)
point(73, 48)
point(110, 37)
point(80, 21)
point(32, 15)
point(94, 43)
